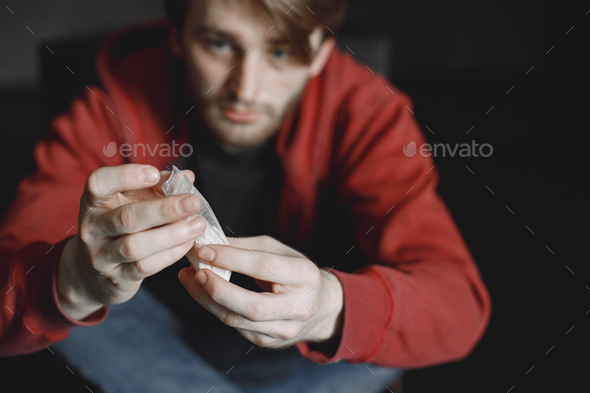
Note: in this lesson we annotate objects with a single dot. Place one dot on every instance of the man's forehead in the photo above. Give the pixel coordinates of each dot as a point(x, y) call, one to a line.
point(233, 18)
point(221, 12)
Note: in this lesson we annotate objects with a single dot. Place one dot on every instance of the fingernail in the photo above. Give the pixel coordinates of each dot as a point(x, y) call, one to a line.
point(196, 225)
point(189, 204)
point(150, 175)
point(183, 277)
point(201, 277)
point(206, 254)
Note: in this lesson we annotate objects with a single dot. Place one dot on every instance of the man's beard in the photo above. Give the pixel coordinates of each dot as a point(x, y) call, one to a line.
point(240, 136)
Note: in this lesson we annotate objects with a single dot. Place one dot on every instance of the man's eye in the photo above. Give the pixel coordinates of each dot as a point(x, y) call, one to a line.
point(219, 45)
point(280, 53)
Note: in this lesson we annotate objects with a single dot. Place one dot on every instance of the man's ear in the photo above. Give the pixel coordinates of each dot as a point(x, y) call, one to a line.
point(174, 42)
point(321, 58)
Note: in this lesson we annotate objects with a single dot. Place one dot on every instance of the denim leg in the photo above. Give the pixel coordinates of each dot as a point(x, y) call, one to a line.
point(136, 349)
point(143, 347)
point(287, 371)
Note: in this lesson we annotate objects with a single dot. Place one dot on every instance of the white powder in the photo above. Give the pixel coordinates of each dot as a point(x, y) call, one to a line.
point(211, 236)
point(178, 184)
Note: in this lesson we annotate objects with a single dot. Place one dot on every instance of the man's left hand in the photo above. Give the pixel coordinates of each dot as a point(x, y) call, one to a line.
point(301, 302)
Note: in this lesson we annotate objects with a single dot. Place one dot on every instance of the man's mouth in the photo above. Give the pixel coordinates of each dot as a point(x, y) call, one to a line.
point(241, 115)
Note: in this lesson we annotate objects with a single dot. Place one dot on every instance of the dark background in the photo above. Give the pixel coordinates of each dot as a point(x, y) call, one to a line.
point(456, 60)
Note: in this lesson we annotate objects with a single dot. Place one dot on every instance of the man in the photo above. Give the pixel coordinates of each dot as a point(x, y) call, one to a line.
point(293, 140)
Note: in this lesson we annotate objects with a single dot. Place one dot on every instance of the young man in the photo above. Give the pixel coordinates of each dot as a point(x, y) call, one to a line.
point(292, 139)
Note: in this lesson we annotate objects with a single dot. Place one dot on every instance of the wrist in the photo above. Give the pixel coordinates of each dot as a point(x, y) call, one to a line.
point(329, 330)
point(72, 294)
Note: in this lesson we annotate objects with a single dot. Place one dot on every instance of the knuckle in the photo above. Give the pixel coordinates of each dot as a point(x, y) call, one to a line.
point(266, 242)
point(113, 281)
point(230, 319)
point(263, 340)
point(128, 250)
point(124, 220)
point(288, 333)
point(264, 239)
point(143, 268)
point(257, 313)
point(314, 274)
point(306, 316)
point(170, 207)
point(214, 293)
point(318, 277)
point(308, 312)
point(94, 263)
point(85, 232)
point(93, 183)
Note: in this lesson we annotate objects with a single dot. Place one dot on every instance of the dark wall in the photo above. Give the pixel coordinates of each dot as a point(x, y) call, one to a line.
point(55, 19)
point(426, 34)
point(456, 34)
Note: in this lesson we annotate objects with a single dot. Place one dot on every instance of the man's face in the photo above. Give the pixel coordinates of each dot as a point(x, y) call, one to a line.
point(242, 73)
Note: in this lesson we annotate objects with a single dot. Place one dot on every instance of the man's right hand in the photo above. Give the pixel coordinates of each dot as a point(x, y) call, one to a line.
point(127, 230)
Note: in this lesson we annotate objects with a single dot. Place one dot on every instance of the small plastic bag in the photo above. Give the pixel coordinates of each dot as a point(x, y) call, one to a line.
point(179, 183)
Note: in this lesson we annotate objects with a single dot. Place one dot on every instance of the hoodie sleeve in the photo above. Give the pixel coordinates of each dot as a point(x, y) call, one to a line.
point(420, 301)
point(42, 217)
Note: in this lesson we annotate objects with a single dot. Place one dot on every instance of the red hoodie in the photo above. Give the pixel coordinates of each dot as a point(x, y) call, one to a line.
point(418, 298)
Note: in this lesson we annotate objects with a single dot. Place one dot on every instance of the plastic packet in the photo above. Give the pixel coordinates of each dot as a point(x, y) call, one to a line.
point(179, 183)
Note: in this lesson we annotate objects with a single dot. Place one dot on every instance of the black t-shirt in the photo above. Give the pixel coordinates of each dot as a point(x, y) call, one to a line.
point(241, 188)
point(243, 191)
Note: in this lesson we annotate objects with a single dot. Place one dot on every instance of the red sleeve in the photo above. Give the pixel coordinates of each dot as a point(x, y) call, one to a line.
point(43, 215)
point(420, 300)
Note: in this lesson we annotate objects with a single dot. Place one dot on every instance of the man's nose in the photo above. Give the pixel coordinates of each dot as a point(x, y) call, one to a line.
point(245, 77)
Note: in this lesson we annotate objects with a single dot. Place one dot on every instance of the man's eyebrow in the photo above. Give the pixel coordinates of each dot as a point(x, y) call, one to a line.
point(204, 30)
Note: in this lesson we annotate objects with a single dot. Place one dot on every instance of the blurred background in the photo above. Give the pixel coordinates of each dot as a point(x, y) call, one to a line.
point(511, 74)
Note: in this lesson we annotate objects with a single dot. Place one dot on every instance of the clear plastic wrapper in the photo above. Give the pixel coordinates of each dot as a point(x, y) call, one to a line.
point(179, 183)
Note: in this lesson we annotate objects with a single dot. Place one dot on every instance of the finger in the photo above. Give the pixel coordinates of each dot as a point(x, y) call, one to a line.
point(156, 191)
point(156, 263)
point(190, 174)
point(225, 315)
point(264, 243)
point(141, 245)
point(268, 339)
point(104, 183)
point(263, 333)
point(140, 216)
point(253, 263)
point(254, 306)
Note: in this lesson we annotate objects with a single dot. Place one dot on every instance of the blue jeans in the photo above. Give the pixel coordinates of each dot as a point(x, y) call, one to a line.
point(143, 347)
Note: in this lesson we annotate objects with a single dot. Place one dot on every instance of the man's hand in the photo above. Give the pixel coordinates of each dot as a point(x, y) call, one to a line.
point(127, 230)
point(301, 302)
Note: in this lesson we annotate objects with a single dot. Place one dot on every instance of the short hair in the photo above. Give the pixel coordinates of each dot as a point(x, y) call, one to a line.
point(298, 18)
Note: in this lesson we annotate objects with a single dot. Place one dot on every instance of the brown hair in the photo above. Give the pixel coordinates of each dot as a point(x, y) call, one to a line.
point(298, 18)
